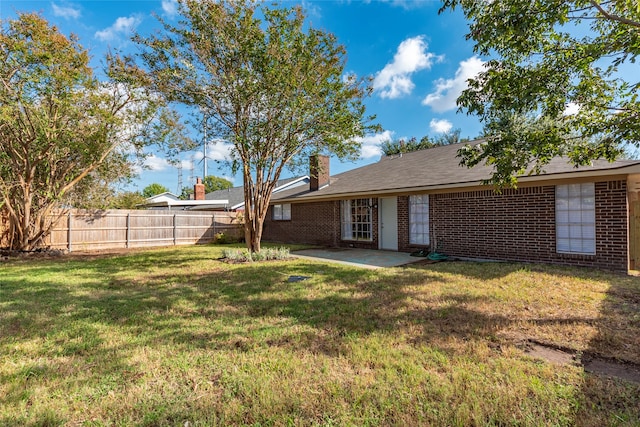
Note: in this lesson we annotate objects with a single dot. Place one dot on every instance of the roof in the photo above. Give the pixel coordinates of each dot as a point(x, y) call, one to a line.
point(187, 204)
point(437, 168)
point(235, 195)
point(162, 197)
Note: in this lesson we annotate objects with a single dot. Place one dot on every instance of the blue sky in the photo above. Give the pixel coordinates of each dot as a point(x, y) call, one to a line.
point(419, 61)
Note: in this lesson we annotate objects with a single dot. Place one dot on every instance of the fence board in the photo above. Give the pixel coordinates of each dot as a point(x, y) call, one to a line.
point(113, 229)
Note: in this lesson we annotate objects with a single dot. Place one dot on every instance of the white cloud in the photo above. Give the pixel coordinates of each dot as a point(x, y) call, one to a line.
point(170, 7)
point(122, 26)
point(349, 77)
point(228, 178)
point(405, 4)
point(312, 9)
point(218, 150)
point(448, 90)
point(371, 144)
point(156, 163)
point(571, 109)
point(66, 12)
point(186, 164)
point(440, 126)
point(394, 80)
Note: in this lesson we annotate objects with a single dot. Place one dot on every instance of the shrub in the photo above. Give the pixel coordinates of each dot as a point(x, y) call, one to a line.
point(224, 238)
point(221, 238)
point(266, 254)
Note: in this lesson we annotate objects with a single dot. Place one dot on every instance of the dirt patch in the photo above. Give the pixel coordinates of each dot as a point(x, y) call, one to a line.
point(626, 371)
point(590, 363)
point(551, 355)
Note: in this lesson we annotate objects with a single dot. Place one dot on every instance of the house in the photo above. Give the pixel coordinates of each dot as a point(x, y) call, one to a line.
point(235, 196)
point(585, 216)
point(230, 200)
point(169, 201)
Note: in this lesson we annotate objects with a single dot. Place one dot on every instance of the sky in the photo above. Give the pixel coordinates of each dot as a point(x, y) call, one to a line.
point(419, 61)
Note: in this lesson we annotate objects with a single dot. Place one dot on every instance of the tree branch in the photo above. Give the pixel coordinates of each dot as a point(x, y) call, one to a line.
point(614, 17)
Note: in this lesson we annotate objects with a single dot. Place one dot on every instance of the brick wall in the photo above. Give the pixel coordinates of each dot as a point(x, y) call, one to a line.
point(403, 226)
point(316, 223)
point(611, 225)
point(519, 225)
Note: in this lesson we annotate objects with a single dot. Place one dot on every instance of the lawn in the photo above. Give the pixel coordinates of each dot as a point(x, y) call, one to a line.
point(176, 337)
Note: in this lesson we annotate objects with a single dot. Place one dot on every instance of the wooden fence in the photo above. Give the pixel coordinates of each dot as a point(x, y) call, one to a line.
point(82, 230)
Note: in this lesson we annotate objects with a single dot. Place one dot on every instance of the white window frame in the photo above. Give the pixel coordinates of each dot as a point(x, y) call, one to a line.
point(282, 212)
point(356, 220)
point(419, 219)
point(576, 219)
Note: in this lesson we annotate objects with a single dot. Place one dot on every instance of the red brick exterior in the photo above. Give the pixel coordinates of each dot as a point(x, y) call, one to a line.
point(199, 190)
point(517, 225)
point(318, 172)
point(315, 223)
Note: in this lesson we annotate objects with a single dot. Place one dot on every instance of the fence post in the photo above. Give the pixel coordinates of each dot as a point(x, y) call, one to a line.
point(128, 229)
point(174, 229)
point(69, 221)
point(213, 220)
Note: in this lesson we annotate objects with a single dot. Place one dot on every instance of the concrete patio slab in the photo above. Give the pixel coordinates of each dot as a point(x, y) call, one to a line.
point(365, 258)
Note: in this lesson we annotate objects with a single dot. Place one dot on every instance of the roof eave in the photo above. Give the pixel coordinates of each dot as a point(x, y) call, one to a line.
point(623, 170)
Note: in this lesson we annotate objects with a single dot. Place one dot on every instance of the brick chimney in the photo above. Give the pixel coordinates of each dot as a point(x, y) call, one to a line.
point(318, 171)
point(198, 190)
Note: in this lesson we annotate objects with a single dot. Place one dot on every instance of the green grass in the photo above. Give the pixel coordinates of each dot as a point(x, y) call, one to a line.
point(165, 337)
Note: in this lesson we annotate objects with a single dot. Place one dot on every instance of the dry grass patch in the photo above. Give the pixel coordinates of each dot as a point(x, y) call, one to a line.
point(163, 337)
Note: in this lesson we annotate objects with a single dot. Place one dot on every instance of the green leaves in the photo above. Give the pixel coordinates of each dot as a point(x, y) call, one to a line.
point(549, 55)
point(64, 133)
point(272, 87)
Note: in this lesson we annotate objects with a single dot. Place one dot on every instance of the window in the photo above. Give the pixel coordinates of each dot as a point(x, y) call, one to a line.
point(576, 218)
point(419, 219)
point(282, 212)
point(356, 219)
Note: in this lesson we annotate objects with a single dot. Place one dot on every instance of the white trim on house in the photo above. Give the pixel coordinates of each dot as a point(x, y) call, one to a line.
point(295, 183)
point(187, 204)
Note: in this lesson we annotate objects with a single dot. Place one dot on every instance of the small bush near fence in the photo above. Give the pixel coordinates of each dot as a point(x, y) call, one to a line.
point(229, 237)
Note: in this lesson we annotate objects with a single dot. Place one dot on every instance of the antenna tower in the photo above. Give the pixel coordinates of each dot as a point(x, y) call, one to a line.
point(192, 177)
point(179, 178)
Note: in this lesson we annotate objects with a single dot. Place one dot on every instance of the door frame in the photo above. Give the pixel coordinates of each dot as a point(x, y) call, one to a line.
point(390, 203)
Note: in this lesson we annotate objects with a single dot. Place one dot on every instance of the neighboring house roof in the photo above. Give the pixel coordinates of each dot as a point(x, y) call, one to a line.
point(437, 168)
point(187, 204)
point(235, 195)
point(169, 200)
point(162, 197)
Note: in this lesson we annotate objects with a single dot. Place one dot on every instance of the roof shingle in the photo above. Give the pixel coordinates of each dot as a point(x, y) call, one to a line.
point(433, 167)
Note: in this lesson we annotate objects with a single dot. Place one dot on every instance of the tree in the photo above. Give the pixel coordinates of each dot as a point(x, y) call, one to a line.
point(127, 200)
point(214, 183)
point(274, 88)
point(153, 190)
point(60, 126)
point(187, 193)
point(556, 84)
point(390, 148)
point(211, 183)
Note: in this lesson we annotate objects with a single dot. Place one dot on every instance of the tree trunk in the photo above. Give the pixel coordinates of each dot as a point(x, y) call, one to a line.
point(252, 235)
point(256, 204)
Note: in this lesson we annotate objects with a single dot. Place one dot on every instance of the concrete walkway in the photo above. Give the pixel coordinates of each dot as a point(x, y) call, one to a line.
point(365, 258)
